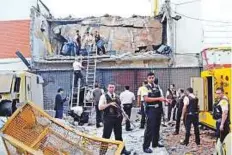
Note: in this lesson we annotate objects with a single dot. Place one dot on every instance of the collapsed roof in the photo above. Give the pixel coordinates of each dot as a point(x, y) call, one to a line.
point(119, 34)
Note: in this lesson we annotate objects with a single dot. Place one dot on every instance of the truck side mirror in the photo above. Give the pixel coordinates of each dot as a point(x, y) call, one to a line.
point(39, 79)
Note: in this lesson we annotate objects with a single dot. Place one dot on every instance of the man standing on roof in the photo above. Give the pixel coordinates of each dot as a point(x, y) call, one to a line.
point(78, 42)
point(99, 43)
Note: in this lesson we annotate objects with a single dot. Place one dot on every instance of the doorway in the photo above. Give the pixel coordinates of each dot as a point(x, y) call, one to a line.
point(210, 93)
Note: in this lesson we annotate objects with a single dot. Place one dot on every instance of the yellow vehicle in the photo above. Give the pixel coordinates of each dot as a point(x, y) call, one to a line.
point(17, 88)
point(217, 73)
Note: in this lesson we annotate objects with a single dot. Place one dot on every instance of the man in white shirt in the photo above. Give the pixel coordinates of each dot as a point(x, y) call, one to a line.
point(77, 66)
point(88, 41)
point(110, 104)
point(127, 98)
point(140, 103)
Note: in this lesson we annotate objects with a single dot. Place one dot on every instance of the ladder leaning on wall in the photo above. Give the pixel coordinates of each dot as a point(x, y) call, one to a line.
point(90, 76)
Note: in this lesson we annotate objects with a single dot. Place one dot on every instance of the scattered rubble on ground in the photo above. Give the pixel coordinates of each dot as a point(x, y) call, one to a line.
point(134, 140)
point(172, 142)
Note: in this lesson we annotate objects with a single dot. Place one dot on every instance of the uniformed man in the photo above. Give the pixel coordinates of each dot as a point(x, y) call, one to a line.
point(192, 116)
point(180, 105)
point(97, 92)
point(127, 99)
point(140, 103)
point(112, 116)
point(153, 100)
point(220, 113)
point(171, 94)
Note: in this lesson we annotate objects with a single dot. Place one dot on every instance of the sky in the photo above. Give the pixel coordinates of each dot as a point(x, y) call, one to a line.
point(20, 9)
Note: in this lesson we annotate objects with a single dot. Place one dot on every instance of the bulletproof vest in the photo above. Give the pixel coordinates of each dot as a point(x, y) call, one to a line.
point(112, 111)
point(154, 93)
point(181, 103)
point(173, 92)
point(192, 108)
point(217, 111)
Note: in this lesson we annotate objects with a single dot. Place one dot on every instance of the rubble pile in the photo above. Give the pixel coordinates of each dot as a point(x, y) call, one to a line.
point(119, 34)
point(172, 142)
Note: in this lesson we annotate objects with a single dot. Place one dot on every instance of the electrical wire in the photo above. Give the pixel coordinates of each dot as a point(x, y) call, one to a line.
point(199, 19)
point(217, 26)
point(188, 2)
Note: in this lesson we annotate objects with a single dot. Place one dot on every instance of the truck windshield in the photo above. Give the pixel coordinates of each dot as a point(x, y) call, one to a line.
point(216, 57)
point(5, 83)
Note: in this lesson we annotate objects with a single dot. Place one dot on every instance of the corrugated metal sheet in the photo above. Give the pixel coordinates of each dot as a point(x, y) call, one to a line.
point(121, 77)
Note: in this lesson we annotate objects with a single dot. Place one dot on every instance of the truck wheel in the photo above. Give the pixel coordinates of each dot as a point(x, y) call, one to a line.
point(5, 108)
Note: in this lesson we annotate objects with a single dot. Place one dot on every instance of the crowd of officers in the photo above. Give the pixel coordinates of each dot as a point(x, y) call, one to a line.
point(183, 104)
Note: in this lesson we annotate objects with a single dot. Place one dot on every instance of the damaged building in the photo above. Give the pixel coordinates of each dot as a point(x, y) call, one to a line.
point(134, 46)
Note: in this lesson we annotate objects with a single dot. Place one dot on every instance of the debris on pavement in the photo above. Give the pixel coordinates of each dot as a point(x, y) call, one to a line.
point(172, 142)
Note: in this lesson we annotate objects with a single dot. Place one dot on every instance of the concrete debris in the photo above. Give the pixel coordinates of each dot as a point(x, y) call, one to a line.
point(173, 142)
point(119, 34)
point(138, 56)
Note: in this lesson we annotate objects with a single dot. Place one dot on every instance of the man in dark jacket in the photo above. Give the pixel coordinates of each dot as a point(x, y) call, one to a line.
point(96, 97)
point(180, 105)
point(59, 101)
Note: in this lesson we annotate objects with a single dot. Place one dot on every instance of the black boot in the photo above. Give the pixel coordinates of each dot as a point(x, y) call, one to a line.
point(125, 152)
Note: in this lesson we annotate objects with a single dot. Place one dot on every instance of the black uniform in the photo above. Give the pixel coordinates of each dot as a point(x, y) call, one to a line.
point(217, 115)
point(192, 117)
point(180, 105)
point(172, 105)
point(112, 119)
point(153, 112)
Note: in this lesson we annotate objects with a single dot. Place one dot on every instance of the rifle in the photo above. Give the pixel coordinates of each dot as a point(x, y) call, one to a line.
point(125, 115)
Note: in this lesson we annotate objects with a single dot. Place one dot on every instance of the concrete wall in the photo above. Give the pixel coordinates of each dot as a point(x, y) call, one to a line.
point(40, 44)
point(203, 24)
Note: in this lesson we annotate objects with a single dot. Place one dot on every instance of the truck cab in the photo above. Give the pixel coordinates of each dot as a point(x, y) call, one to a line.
point(17, 87)
point(216, 73)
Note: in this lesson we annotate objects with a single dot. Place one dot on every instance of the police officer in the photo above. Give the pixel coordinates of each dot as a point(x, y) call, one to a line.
point(140, 103)
point(180, 105)
point(171, 94)
point(153, 100)
point(220, 113)
point(192, 116)
point(112, 116)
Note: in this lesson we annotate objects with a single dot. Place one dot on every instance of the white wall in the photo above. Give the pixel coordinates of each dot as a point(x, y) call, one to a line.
point(217, 33)
point(199, 30)
point(187, 32)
